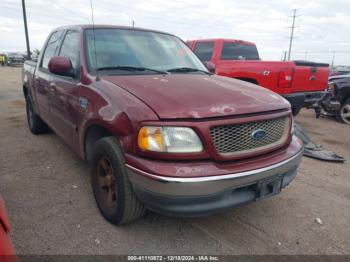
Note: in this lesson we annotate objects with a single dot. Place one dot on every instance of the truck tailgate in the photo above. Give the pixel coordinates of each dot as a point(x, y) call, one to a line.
point(309, 76)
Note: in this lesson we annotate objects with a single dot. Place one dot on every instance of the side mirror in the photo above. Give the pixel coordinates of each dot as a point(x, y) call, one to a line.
point(210, 66)
point(60, 65)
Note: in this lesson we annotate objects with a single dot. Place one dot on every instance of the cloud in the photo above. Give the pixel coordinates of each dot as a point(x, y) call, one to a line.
point(322, 26)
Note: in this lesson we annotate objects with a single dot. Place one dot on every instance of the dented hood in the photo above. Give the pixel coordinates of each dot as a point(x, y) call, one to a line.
point(198, 96)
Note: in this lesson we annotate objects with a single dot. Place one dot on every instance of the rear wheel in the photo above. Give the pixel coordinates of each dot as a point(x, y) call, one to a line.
point(113, 192)
point(344, 112)
point(35, 123)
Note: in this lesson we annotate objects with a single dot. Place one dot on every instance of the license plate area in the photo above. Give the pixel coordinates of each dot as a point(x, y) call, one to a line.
point(268, 187)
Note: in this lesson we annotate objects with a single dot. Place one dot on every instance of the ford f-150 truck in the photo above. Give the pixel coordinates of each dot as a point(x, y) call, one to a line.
point(301, 83)
point(159, 131)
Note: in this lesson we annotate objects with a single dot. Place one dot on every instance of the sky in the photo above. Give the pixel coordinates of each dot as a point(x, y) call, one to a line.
point(322, 26)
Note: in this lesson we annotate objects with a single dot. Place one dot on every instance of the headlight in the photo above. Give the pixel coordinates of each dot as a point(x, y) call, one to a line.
point(169, 139)
point(331, 86)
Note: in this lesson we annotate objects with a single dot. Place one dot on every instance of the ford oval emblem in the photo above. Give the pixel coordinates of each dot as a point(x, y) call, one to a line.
point(259, 134)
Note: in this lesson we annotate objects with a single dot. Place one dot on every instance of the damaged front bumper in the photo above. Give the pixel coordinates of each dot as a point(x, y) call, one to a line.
point(303, 99)
point(203, 195)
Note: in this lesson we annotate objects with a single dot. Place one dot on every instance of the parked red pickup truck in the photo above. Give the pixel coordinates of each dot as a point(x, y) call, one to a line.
point(158, 130)
point(302, 83)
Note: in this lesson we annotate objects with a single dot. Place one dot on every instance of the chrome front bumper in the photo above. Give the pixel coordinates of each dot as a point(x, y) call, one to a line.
point(204, 195)
point(201, 186)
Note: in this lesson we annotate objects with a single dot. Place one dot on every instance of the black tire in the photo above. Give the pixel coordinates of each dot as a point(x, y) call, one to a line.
point(35, 123)
point(113, 192)
point(344, 109)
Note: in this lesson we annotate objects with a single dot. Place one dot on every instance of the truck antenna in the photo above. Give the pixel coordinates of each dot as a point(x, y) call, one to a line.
point(93, 33)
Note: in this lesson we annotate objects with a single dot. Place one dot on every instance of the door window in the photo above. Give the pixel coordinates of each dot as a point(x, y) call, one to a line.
point(51, 48)
point(70, 48)
point(204, 50)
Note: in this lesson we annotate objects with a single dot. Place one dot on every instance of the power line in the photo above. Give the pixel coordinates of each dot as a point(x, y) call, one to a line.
point(57, 4)
point(320, 52)
point(30, 10)
point(169, 19)
point(263, 36)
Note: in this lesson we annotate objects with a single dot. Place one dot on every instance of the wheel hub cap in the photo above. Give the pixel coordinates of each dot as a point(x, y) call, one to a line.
point(106, 183)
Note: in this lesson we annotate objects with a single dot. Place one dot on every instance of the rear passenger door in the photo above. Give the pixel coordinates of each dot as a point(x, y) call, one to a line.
point(42, 77)
point(64, 97)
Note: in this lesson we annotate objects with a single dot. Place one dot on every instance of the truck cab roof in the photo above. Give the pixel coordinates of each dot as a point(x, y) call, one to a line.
point(104, 26)
point(223, 40)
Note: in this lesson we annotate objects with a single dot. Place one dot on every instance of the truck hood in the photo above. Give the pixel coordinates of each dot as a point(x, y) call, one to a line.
point(198, 96)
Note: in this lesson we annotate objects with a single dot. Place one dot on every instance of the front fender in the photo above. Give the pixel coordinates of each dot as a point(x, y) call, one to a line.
point(119, 125)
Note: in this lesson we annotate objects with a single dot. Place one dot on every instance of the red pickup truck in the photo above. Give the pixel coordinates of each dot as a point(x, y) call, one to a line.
point(158, 129)
point(302, 83)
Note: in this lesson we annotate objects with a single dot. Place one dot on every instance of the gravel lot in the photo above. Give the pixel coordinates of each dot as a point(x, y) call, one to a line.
point(47, 191)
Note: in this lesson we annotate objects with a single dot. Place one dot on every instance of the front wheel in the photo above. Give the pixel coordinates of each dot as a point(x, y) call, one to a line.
point(344, 112)
point(112, 189)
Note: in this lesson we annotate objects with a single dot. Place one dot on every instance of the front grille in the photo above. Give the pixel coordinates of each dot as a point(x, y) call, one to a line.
point(238, 138)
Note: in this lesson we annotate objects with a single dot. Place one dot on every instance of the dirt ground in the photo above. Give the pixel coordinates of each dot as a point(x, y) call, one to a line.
point(47, 192)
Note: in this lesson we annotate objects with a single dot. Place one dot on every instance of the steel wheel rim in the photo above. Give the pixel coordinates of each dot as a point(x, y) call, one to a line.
point(345, 113)
point(106, 183)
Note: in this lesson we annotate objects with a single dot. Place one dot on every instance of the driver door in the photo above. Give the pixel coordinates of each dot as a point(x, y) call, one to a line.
point(64, 92)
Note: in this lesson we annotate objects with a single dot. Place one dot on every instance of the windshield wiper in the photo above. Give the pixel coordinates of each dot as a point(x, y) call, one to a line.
point(187, 70)
point(131, 68)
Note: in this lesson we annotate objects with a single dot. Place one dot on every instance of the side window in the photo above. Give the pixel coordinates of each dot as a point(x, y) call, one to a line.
point(51, 48)
point(70, 48)
point(238, 51)
point(204, 50)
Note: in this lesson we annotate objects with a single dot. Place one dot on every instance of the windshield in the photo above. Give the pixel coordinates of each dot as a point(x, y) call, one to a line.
point(116, 48)
point(238, 51)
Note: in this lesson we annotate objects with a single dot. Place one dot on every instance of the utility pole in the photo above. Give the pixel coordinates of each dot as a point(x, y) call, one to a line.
point(26, 28)
point(333, 56)
point(292, 34)
point(306, 55)
point(133, 23)
point(284, 55)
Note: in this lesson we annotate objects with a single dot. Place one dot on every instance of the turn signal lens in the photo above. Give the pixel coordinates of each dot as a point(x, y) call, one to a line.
point(150, 138)
point(169, 139)
point(285, 78)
